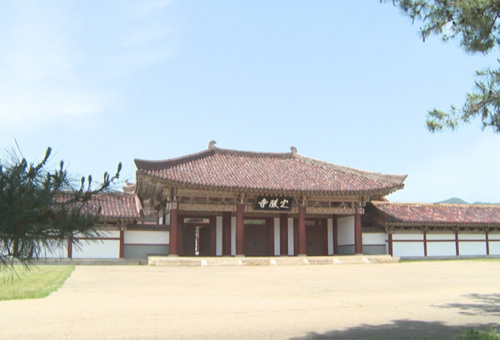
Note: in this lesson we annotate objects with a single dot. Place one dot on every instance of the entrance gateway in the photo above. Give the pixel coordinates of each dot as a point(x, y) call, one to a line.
point(221, 202)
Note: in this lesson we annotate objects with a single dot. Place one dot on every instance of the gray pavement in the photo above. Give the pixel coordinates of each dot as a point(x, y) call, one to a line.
point(384, 301)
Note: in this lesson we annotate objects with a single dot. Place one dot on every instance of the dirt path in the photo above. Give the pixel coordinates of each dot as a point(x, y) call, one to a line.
point(386, 301)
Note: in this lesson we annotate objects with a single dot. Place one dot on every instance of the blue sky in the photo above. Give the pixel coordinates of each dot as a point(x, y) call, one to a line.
point(348, 82)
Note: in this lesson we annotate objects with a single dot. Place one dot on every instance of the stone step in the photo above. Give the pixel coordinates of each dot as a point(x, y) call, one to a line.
point(173, 261)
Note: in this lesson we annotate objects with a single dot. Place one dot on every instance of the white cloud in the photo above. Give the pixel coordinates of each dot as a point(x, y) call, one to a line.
point(55, 66)
point(40, 79)
point(23, 105)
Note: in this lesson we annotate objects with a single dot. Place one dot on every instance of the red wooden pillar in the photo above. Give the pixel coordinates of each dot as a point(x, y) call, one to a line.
point(335, 235)
point(487, 243)
point(173, 235)
point(284, 234)
point(270, 236)
point(213, 236)
point(324, 225)
point(70, 248)
point(295, 236)
point(425, 243)
point(302, 231)
point(240, 230)
point(180, 238)
point(226, 233)
point(457, 246)
point(389, 236)
point(122, 244)
point(358, 235)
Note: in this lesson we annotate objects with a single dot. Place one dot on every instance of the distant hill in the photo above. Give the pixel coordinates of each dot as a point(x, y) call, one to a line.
point(456, 200)
point(486, 203)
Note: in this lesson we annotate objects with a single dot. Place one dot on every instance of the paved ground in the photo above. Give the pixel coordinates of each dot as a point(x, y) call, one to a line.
point(384, 301)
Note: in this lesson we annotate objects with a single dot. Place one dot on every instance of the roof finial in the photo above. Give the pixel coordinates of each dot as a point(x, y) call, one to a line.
point(211, 145)
point(294, 150)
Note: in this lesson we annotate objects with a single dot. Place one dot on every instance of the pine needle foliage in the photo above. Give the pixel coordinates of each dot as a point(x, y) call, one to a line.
point(475, 24)
point(40, 207)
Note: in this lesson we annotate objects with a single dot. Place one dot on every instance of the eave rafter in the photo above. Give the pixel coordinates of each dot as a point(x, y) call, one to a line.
point(195, 197)
point(150, 187)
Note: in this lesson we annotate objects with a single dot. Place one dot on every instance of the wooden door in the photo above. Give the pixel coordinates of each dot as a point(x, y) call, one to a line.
point(256, 240)
point(205, 241)
point(188, 240)
point(315, 239)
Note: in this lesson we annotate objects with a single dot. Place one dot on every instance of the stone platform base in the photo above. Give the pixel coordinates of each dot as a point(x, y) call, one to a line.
point(268, 261)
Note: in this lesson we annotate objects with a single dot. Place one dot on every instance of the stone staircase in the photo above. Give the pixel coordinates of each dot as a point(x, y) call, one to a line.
point(172, 261)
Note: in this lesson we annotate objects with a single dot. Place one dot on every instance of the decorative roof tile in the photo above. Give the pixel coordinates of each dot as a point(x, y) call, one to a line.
point(253, 171)
point(116, 206)
point(434, 214)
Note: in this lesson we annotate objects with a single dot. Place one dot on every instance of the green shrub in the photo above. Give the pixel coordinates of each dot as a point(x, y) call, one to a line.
point(472, 334)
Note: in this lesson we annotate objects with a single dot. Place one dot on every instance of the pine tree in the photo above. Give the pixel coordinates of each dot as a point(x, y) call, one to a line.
point(40, 208)
point(474, 23)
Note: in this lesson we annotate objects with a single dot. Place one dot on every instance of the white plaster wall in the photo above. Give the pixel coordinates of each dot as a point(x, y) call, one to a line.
point(277, 245)
point(60, 251)
point(145, 237)
point(407, 236)
point(218, 236)
point(472, 248)
point(441, 248)
point(374, 238)
point(444, 236)
point(233, 236)
point(290, 237)
point(494, 236)
point(408, 248)
point(494, 248)
point(329, 233)
point(470, 236)
point(98, 249)
point(345, 229)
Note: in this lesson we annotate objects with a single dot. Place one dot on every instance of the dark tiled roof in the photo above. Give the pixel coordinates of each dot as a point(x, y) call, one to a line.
point(434, 214)
point(116, 205)
point(229, 169)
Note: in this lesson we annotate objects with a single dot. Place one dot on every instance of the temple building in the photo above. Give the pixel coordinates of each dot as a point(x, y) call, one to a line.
point(224, 202)
point(221, 202)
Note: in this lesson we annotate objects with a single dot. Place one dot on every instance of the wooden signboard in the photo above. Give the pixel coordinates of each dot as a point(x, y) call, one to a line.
point(276, 203)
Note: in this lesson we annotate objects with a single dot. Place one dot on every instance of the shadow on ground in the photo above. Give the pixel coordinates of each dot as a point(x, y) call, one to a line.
point(482, 304)
point(398, 329)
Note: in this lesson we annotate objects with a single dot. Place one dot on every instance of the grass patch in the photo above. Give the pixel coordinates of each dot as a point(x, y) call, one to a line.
point(34, 282)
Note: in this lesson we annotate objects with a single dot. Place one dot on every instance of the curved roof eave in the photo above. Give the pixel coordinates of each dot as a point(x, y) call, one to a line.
point(371, 192)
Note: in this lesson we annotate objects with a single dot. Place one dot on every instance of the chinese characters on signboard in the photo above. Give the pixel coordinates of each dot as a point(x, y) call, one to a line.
point(273, 203)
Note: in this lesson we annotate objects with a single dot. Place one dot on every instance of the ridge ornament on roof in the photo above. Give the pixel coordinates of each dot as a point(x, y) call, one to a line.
point(262, 172)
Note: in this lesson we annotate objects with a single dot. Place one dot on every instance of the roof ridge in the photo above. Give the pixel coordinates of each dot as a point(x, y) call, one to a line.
point(142, 164)
point(378, 176)
point(261, 172)
point(254, 153)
